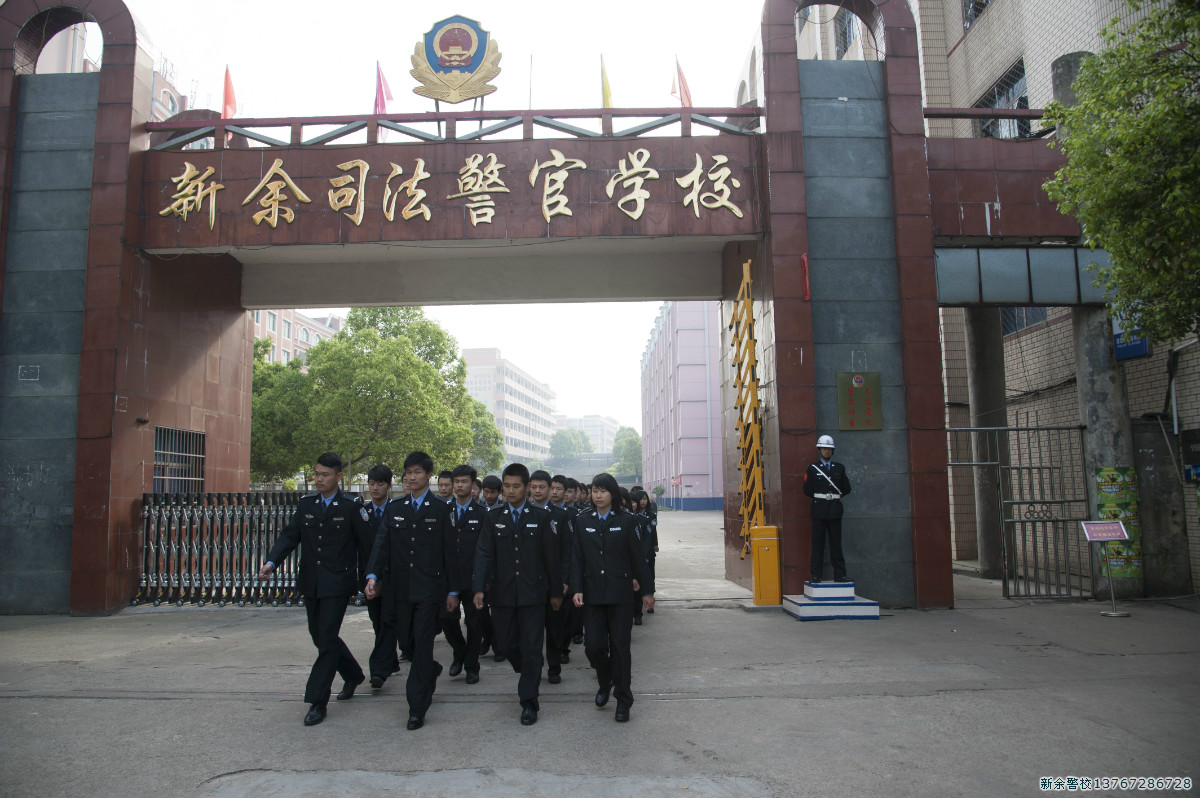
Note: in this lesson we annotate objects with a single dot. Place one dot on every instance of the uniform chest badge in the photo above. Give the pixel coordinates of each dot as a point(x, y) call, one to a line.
point(363, 512)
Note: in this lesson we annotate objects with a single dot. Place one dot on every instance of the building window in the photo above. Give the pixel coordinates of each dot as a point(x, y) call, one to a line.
point(971, 10)
point(271, 354)
point(286, 356)
point(845, 31)
point(316, 338)
point(287, 329)
point(178, 461)
point(304, 335)
point(256, 320)
point(270, 321)
point(1016, 319)
point(1008, 92)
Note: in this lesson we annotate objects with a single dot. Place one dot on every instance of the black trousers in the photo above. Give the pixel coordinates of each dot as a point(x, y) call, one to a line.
point(333, 656)
point(830, 528)
point(557, 640)
point(607, 629)
point(418, 622)
point(465, 648)
point(381, 615)
point(519, 633)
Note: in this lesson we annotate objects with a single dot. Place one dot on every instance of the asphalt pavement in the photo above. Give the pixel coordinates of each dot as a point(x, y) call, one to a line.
point(986, 699)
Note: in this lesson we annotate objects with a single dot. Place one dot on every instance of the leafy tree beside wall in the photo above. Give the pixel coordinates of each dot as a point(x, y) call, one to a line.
point(627, 448)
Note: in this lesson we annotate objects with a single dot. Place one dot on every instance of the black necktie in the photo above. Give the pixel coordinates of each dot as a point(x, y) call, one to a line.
point(378, 512)
point(460, 512)
point(514, 515)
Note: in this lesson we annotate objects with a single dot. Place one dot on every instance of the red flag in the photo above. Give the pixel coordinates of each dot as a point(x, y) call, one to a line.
point(679, 87)
point(229, 100)
point(382, 92)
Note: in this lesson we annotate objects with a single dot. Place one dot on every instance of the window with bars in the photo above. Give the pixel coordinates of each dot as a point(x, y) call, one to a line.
point(1008, 92)
point(845, 31)
point(178, 461)
point(1014, 320)
point(971, 9)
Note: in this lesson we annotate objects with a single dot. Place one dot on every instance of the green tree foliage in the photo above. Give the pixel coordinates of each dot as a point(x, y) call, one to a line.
point(487, 444)
point(568, 444)
point(1133, 172)
point(658, 491)
point(279, 409)
point(627, 448)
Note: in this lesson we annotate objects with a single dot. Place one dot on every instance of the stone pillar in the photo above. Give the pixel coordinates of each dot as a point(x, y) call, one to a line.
point(1104, 410)
point(985, 389)
point(1161, 504)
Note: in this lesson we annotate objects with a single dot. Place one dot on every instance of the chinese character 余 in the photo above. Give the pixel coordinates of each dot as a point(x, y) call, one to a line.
point(554, 201)
point(633, 177)
point(478, 185)
point(416, 204)
point(719, 196)
point(272, 201)
point(192, 193)
point(346, 194)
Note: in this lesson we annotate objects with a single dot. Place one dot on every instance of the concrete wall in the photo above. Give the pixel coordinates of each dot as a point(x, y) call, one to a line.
point(855, 315)
point(41, 336)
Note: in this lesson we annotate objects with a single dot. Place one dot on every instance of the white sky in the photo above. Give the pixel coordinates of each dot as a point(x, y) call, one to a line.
point(305, 58)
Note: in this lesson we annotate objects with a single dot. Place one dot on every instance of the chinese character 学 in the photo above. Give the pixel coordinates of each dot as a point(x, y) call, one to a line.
point(719, 196)
point(554, 200)
point(632, 176)
point(272, 201)
point(192, 193)
point(416, 203)
point(478, 181)
point(346, 194)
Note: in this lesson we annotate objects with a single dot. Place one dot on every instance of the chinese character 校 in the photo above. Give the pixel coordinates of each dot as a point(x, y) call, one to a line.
point(719, 196)
point(272, 201)
point(192, 193)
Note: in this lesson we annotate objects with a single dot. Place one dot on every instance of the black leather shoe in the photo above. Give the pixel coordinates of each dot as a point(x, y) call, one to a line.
point(622, 715)
point(602, 695)
point(315, 715)
point(816, 580)
point(348, 690)
point(637, 621)
point(472, 678)
point(651, 610)
point(577, 640)
point(415, 723)
point(498, 657)
point(456, 667)
point(528, 716)
point(842, 578)
point(564, 657)
point(554, 678)
point(484, 647)
point(376, 682)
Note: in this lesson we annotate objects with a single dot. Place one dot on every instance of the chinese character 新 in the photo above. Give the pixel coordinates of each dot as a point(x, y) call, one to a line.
point(416, 204)
point(554, 201)
point(478, 184)
point(633, 177)
point(272, 201)
point(346, 194)
point(719, 196)
point(192, 193)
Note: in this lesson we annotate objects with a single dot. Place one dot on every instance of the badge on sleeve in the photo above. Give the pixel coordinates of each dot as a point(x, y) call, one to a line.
point(363, 512)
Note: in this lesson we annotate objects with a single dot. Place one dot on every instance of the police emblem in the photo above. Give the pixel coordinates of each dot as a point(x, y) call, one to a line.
point(455, 61)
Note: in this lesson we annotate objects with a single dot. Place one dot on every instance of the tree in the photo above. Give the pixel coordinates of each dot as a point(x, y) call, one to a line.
point(278, 411)
point(487, 443)
point(1132, 177)
point(567, 444)
point(627, 448)
point(658, 491)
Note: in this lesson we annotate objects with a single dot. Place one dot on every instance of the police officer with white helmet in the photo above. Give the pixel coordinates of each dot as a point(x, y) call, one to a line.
point(826, 482)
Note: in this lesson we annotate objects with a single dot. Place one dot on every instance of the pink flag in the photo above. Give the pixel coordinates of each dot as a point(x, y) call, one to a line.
point(679, 87)
point(228, 100)
point(382, 92)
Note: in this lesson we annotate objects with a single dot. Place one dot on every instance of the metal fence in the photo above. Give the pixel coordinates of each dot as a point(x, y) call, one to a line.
point(201, 548)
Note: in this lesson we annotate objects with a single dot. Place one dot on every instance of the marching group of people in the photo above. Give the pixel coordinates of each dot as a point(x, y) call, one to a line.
point(531, 563)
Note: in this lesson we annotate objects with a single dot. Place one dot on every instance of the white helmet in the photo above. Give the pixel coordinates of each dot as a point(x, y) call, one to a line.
point(825, 442)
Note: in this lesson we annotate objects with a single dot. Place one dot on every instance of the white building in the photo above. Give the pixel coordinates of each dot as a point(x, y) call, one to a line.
point(522, 405)
point(600, 430)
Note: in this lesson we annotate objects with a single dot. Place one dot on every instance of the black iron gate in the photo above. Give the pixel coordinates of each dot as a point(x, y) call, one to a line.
point(1042, 484)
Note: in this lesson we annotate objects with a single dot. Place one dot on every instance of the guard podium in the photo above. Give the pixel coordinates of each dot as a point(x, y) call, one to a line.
point(827, 601)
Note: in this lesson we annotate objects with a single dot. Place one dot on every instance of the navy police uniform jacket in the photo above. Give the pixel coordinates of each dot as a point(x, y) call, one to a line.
point(827, 503)
point(518, 561)
point(606, 557)
point(331, 542)
point(465, 540)
point(413, 556)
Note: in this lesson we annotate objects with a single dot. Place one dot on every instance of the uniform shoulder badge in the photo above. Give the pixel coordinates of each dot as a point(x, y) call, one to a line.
point(363, 512)
point(455, 60)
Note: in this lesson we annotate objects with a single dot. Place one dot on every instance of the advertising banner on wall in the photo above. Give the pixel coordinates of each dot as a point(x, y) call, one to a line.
point(1117, 500)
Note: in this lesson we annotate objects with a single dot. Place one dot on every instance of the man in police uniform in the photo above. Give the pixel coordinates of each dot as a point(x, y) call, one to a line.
point(332, 529)
point(826, 482)
point(467, 518)
point(556, 619)
point(518, 557)
point(413, 557)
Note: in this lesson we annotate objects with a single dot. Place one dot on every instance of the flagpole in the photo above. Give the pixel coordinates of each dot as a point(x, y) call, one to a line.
point(531, 81)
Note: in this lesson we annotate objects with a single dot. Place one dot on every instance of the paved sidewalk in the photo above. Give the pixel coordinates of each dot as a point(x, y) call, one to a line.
point(980, 700)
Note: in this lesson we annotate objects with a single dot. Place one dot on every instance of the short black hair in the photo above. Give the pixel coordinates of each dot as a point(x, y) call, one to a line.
point(447, 474)
point(516, 470)
point(462, 471)
point(637, 494)
point(559, 479)
point(491, 482)
point(479, 483)
point(380, 473)
point(540, 476)
point(636, 487)
point(331, 460)
point(572, 483)
point(607, 482)
point(419, 458)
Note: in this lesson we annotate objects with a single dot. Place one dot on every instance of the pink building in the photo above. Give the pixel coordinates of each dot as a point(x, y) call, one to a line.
point(681, 407)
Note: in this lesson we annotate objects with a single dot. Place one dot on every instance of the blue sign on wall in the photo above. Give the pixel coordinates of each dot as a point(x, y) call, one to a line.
point(1133, 346)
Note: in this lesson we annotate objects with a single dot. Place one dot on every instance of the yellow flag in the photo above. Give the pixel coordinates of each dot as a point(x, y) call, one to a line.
point(605, 91)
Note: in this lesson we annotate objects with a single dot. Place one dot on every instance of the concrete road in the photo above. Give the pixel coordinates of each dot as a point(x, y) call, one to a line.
point(982, 700)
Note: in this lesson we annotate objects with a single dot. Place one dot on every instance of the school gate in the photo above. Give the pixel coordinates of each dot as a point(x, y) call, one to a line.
point(129, 264)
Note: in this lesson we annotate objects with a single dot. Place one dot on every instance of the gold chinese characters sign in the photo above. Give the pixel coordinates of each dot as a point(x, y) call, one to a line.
point(408, 192)
point(859, 405)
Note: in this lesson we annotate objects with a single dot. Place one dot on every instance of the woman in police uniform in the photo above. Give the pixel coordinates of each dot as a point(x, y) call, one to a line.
point(607, 567)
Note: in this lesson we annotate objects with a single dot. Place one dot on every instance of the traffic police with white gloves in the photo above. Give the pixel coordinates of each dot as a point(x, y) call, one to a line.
point(826, 482)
